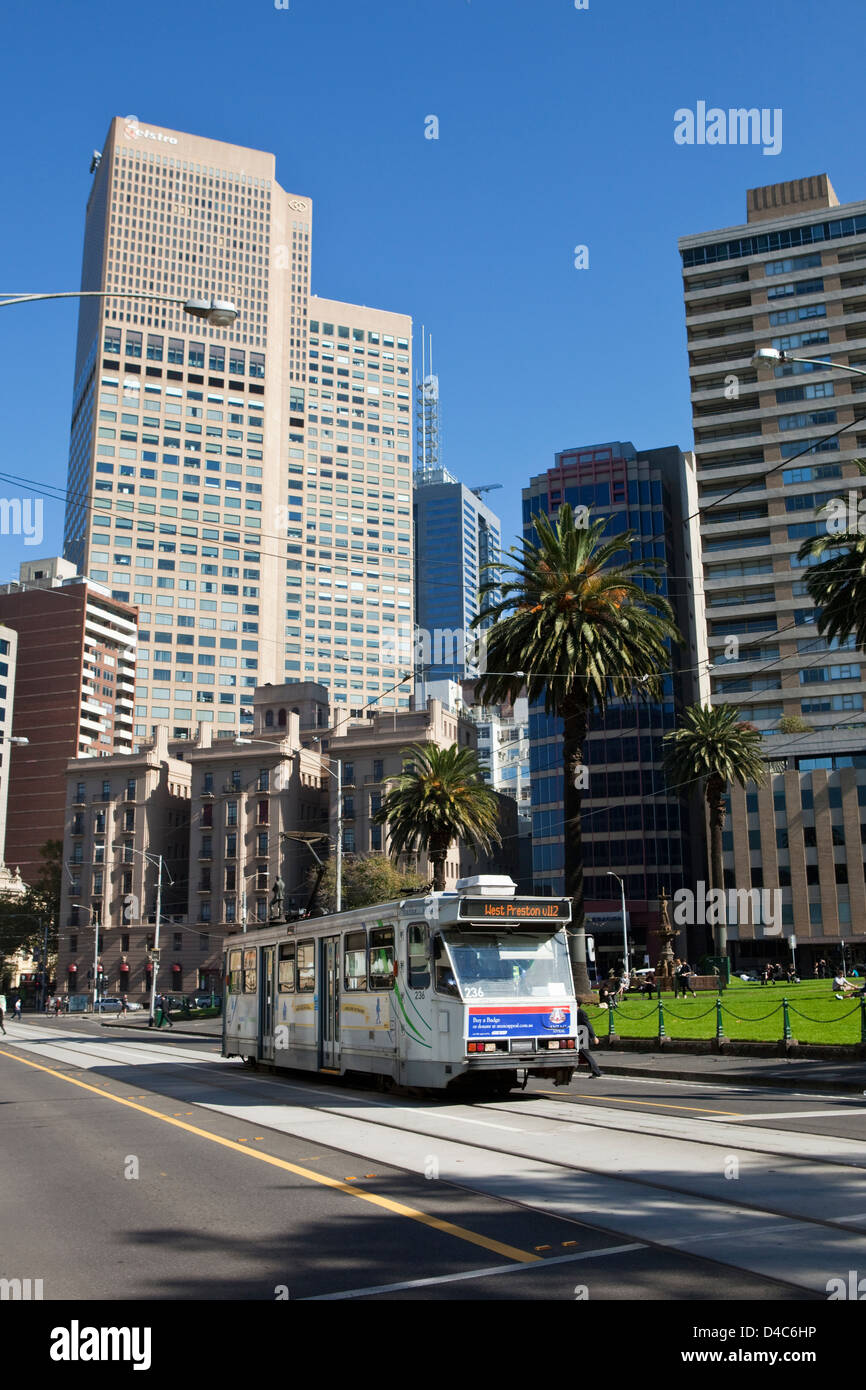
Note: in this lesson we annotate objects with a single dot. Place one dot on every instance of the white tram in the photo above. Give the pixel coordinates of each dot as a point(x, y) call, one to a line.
point(461, 989)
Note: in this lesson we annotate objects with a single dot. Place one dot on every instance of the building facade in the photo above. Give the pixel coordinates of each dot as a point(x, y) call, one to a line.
point(456, 537)
point(74, 694)
point(193, 467)
point(8, 661)
point(632, 824)
point(774, 445)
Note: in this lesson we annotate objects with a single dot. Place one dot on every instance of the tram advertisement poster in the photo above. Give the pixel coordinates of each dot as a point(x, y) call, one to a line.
point(515, 1021)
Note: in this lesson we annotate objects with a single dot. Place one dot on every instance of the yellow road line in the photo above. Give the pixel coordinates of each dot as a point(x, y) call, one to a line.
point(656, 1104)
point(510, 1252)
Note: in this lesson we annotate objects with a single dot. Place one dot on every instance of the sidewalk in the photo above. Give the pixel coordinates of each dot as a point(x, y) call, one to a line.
point(792, 1073)
point(181, 1028)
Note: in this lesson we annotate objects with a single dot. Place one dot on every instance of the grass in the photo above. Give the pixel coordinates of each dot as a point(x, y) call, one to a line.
point(750, 1012)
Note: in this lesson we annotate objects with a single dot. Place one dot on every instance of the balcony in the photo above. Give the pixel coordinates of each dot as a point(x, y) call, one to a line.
point(205, 886)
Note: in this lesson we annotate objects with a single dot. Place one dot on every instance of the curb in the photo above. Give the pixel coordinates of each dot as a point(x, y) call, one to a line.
point(733, 1079)
point(181, 1032)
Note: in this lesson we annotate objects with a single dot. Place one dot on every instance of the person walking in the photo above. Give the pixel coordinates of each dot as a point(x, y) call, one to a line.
point(124, 1005)
point(675, 973)
point(58, 1006)
point(16, 1010)
point(2, 1014)
point(163, 1003)
point(586, 1040)
point(685, 979)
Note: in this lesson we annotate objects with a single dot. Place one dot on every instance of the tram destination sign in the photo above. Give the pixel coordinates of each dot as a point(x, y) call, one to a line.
point(515, 909)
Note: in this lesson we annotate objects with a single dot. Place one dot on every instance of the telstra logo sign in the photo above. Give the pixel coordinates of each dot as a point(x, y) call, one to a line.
point(134, 131)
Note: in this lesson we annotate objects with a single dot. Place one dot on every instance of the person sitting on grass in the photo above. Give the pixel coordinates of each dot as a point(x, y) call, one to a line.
point(842, 987)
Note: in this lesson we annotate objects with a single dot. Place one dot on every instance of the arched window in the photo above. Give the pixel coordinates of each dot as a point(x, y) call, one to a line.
point(269, 719)
point(281, 719)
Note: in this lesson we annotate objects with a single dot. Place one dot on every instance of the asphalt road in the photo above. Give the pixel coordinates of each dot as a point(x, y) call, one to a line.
point(141, 1166)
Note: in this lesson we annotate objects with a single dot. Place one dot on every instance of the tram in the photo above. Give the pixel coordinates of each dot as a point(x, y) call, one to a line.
point(464, 990)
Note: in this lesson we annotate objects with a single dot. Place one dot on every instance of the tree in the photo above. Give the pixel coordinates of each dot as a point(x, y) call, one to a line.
point(794, 724)
point(367, 878)
point(711, 748)
point(837, 585)
point(20, 915)
point(441, 797)
point(579, 630)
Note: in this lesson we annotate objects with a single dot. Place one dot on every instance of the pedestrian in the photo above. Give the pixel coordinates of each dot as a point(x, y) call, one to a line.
point(685, 979)
point(58, 1006)
point(675, 971)
point(124, 1005)
point(2, 1014)
point(822, 969)
point(164, 1005)
point(815, 972)
point(586, 1039)
point(16, 1011)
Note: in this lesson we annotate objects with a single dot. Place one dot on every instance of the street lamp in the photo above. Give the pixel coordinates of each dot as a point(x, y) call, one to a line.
point(219, 313)
point(96, 926)
point(611, 874)
point(151, 859)
point(772, 357)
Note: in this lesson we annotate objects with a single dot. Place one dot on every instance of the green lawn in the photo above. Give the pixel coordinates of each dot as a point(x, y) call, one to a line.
point(749, 1012)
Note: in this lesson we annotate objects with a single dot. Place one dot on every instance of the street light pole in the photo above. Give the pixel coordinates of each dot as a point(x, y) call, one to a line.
point(611, 874)
point(339, 894)
point(220, 313)
point(155, 971)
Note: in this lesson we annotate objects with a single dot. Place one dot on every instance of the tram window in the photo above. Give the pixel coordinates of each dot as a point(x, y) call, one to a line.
point(250, 974)
point(419, 963)
point(286, 976)
point(235, 973)
point(355, 951)
point(306, 966)
point(381, 955)
point(445, 981)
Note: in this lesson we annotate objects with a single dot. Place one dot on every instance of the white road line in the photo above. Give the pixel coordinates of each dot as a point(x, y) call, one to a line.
point(475, 1274)
point(789, 1115)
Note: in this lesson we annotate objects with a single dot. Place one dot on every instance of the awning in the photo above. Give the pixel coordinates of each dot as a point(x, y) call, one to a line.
point(176, 968)
point(72, 969)
point(124, 967)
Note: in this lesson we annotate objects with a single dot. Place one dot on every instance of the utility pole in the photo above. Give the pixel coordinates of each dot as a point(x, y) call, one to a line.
point(156, 944)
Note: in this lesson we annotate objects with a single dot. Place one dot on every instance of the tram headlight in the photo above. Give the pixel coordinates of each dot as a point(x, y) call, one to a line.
point(553, 1043)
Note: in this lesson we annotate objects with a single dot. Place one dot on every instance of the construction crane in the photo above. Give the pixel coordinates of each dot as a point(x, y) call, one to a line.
point(488, 487)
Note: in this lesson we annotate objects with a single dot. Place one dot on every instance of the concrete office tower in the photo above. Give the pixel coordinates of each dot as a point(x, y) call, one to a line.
point(768, 453)
point(74, 693)
point(631, 824)
point(8, 658)
point(456, 536)
point(349, 581)
point(184, 435)
point(769, 456)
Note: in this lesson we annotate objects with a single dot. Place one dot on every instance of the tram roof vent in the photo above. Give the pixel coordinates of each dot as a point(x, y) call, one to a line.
point(488, 885)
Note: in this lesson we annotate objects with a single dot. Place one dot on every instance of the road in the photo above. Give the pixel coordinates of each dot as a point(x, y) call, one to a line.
point(140, 1166)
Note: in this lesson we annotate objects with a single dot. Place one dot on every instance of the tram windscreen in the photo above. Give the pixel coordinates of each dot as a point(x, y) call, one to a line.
point(511, 966)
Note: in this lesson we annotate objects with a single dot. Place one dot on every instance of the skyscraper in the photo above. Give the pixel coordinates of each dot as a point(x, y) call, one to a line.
point(631, 824)
point(767, 441)
point(191, 465)
point(456, 536)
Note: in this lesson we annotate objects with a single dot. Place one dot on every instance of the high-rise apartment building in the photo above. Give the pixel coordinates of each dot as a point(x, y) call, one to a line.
point(770, 444)
point(75, 686)
point(632, 824)
point(456, 537)
point(193, 465)
point(774, 445)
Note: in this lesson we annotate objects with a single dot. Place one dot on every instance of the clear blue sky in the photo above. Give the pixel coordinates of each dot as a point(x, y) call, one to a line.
point(556, 128)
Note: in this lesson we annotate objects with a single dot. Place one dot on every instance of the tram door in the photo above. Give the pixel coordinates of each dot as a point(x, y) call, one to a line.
point(330, 1002)
point(266, 1003)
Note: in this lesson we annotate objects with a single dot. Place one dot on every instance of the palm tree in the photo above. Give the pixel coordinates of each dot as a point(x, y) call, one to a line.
point(837, 586)
point(711, 748)
point(575, 627)
point(441, 797)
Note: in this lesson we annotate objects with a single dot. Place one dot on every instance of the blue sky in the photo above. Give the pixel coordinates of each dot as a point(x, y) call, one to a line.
point(555, 129)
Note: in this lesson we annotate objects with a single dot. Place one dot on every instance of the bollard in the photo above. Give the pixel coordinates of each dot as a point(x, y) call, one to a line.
point(720, 1032)
point(662, 1033)
point(786, 1021)
point(611, 1023)
point(862, 1019)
